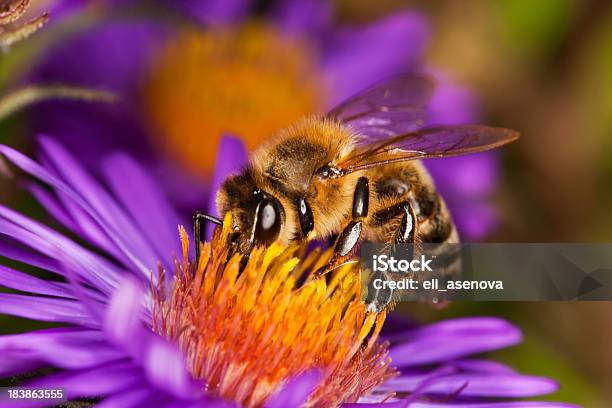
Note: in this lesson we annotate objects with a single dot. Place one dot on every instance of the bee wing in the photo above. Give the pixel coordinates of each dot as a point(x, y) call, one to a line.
point(389, 118)
point(391, 107)
point(439, 141)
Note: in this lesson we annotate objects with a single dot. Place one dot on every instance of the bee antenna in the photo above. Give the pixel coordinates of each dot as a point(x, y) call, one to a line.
point(212, 219)
point(197, 218)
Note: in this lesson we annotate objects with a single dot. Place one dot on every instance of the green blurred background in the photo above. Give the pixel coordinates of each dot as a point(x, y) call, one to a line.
point(543, 67)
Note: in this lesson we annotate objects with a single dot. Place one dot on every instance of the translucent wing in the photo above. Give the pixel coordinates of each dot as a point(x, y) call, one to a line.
point(390, 118)
point(439, 141)
point(395, 106)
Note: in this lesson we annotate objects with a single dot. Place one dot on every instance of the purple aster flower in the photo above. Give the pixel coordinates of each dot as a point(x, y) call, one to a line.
point(183, 86)
point(144, 326)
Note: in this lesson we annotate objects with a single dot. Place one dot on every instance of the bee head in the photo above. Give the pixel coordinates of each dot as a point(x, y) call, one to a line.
point(257, 217)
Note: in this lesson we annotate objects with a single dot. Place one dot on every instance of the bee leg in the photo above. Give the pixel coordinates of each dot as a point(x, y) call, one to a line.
point(347, 240)
point(350, 236)
point(407, 230)
point(378, 299)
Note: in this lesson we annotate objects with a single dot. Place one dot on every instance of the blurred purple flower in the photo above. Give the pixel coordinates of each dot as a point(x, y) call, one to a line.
point(119, 55)
point(125, 231)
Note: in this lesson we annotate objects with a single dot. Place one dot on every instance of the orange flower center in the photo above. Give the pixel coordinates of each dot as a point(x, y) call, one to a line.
point(245, 335)
point(250, 81)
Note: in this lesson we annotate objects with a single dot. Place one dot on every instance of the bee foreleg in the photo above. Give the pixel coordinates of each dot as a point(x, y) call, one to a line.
point(350, 236)
point(348, 239)
point(345, 244)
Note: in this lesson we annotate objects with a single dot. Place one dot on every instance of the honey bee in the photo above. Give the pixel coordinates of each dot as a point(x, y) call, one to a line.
point(353, 174)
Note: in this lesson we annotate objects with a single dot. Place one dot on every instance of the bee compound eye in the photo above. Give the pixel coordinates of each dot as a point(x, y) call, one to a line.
point(268, 221)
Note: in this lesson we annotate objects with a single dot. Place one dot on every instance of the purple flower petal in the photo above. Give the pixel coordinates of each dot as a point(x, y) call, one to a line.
point(91, 267)
point(516, 404)
point(12, 250)
point(214, 12)
point(163, 364)
point(164, 367)
point(112, 212)
point(112, 55)
point(475, 219)
point(45, 309)
point(451, 104)
point(134, 398)
point(356, 58)
point(393, 404)
point(187, 191)
point(90, 229)
point(73, 217)
point(303, 17)
point(424, 384)
point(94, 382)
point(13, 279)
point(482, 366)
point(14, 366)
point(452, 339)
point(296, 392)
point(86, 348)
point(104, 206)
point(231, 157)
point(146, 204)
point(43, 287)
point(123, 320)
point(469, 176)
point(53, 207)
point(476, 385)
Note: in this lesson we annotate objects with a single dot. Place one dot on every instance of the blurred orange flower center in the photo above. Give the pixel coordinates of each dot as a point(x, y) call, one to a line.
point(249, 81)
point(245, 335)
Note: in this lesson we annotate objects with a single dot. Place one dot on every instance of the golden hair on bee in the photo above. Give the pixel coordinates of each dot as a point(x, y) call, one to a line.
point(310, 140)
point(287, 165)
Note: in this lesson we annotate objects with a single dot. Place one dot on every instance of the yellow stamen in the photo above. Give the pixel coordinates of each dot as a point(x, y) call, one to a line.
point(246, 334)
point(250, 81)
